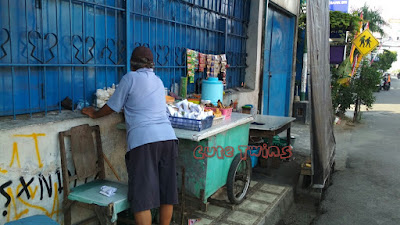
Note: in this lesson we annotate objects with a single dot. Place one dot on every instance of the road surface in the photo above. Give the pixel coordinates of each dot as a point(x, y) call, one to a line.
point(366, 187)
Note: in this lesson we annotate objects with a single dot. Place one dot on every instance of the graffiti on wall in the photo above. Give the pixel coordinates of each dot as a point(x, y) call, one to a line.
point(34, 136)
point(36, 193)
point(31, 189)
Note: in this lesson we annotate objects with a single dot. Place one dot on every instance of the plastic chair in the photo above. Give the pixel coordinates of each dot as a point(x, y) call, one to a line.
point(87, 157)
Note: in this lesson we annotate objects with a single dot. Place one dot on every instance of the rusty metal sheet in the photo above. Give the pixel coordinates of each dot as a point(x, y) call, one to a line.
point(83, 151)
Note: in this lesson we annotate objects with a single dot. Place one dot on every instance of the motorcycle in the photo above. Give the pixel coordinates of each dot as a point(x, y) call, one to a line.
point(386, 85)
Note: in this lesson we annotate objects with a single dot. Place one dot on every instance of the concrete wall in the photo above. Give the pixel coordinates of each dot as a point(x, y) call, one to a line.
point(254, 46)
point(30, 178)
point(249, 95)
point(291, 6)
point(30, 175)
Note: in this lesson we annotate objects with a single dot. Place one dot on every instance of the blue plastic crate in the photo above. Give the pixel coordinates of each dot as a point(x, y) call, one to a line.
point(191, 124)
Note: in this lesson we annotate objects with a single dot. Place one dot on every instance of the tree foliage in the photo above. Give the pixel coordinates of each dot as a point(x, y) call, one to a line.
point(365, 84)
point(385, 60)
point(360, 87)
point(340, 21)
point(342, 95)
point(376, 22)
point(358, 91)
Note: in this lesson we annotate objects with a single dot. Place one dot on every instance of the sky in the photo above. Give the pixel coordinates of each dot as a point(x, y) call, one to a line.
point(389, 8)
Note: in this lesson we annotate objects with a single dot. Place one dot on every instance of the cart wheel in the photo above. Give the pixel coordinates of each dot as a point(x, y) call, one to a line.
point(239, 177)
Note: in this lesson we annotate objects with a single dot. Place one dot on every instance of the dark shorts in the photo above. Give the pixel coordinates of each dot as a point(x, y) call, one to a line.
point(152, 175)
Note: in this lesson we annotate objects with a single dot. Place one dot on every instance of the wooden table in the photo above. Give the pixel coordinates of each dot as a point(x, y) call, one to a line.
point(270, 126)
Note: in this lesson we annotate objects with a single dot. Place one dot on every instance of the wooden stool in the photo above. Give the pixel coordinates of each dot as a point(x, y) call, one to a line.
point(305, 171)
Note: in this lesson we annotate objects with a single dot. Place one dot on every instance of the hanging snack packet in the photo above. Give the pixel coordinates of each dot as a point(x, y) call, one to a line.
point(209, 59)
point(213, 62)
point(217, 68)
point(223, 78)
point(195, 58)
point(192, 63)
point(223, 63)
point(217, 59)
point(223, 57)
point(183, 90)
point(217, 65)
point(202, 62)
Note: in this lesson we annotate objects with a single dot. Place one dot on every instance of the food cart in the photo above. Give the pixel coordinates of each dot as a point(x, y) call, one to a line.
point(210, 163)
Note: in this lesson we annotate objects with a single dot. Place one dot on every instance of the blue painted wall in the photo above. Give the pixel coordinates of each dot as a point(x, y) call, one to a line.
point(51, 49)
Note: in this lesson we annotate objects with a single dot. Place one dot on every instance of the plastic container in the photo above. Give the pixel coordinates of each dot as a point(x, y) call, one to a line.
point(255, 151)
point(191, 124)
point(205, 102)
point(225, 112)
point(82, 104)
point(283, 141)
point(247, 109)
point(212, 89)
point(276, 141)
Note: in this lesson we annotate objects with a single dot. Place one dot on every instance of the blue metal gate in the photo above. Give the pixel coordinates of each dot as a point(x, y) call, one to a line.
point(278, 58)
point(51, 49)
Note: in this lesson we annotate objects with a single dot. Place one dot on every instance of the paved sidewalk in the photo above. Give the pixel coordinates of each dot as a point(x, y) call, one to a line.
point(265, 204)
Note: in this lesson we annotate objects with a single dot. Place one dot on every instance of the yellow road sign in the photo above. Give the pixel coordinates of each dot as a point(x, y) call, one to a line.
point(365, 42)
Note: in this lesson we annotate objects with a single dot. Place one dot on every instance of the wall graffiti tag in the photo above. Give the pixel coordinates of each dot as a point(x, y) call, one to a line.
point(35, 138)
point(15, 155)
point(35, 193)
point(19, 201)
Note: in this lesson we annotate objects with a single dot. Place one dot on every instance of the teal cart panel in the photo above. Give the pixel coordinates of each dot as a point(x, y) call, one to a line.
point(217, 169)
point(209, 174)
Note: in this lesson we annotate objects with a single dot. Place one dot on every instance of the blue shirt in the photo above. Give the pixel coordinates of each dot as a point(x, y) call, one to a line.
point(142, 96)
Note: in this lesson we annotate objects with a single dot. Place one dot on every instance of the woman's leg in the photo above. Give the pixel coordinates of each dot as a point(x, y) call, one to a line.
point(167, 180)
point(143, 218)
point(166, 214)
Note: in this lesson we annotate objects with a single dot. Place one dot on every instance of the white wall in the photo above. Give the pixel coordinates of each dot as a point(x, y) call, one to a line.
point(23, 160)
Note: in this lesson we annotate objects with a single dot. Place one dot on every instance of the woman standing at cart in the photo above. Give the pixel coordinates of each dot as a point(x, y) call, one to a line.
point(152, 144)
